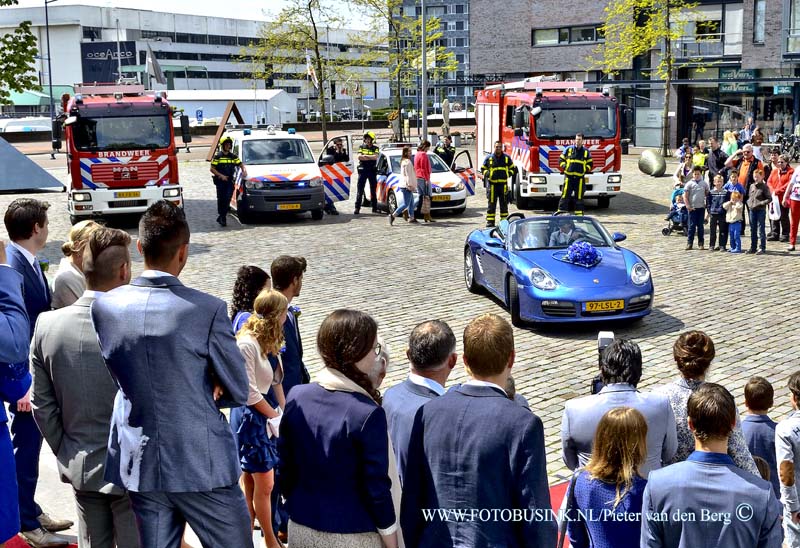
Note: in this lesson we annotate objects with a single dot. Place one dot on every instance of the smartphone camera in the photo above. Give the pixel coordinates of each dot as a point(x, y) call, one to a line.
point(604, 338)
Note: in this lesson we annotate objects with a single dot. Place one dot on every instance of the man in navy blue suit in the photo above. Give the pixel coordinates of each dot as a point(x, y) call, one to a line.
point(27, 225)
point(474, 450)
point(287, 277)
point(707, 500)
point(432, 355)
point(171, 349)
point(15, 380)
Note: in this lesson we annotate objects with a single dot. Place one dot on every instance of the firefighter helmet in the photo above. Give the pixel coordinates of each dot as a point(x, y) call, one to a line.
point(369, 134)
point(226, 139)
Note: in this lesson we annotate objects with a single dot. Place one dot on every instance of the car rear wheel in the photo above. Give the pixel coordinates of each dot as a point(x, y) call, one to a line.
point(469, 273)
point(391, 202)
point(316, 214)
point(513, 303)
point(604, 202)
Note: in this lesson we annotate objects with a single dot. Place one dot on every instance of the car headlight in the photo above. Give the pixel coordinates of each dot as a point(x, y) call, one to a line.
point(541, 279)
point(172, 192)
point(316, 181)
point(459, 187)
point(82, 196)
point(615, 178)
point(640, 274)
point(254, 184)
point(539, 180)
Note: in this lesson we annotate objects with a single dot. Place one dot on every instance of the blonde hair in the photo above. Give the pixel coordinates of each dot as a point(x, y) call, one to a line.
point(78, 236)
point(619, 449)
point(736, 195)
point(728, 136)
point(265, 324)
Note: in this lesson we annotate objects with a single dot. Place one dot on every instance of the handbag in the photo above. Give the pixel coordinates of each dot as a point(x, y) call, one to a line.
point(426, 205)
point(572, 504)
point(774, 208)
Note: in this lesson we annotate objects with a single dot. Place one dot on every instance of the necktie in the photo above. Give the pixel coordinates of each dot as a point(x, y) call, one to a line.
point(40, 274)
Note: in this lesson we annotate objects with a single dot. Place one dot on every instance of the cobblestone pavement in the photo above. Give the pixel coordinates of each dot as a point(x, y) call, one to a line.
point(409, 273)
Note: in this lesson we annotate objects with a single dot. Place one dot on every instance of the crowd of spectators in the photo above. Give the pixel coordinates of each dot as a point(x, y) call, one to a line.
point(335, 462)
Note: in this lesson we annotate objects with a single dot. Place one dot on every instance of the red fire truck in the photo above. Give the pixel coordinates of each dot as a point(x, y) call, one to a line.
point(535, 121)
point(121, 152)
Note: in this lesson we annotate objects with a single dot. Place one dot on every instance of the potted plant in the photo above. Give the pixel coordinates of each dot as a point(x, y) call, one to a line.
point(456, 135)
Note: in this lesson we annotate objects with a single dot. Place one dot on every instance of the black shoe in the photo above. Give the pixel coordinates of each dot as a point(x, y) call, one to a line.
point(773, 239)
point(750, 251)
point(689, 247)
point(761, 251)
point(222, 221)
point(356, 212)
point(391, 219)
point(785, 240)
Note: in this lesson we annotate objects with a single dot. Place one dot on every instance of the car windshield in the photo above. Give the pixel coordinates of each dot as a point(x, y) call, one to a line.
point(276, 151)
point(557, 233)
point(594, 121)
point(437, 164)
point(122, 133)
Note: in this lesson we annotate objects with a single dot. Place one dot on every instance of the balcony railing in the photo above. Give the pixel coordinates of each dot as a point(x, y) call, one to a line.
point(703, 46)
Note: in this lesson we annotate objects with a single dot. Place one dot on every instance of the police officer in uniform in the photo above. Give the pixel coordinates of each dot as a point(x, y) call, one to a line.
point(367, 171)
point(446, 151)
point(575, 163)
point(496, 171)
point(223, 168)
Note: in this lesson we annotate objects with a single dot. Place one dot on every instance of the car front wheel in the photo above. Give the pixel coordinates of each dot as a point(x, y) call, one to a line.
point(469, 273)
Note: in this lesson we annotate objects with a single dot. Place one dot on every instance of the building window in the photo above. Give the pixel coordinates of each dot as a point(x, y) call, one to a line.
point(759, 21)
point(460, 58)
point(459, 8)
point(545, 37)
point(92, 33)
point(563, 36)
point(582, 34)
point(459, 43)
point(459, 25)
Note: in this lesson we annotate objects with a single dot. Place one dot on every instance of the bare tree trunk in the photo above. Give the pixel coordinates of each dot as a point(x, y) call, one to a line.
point(321, 77)
point(665, 148)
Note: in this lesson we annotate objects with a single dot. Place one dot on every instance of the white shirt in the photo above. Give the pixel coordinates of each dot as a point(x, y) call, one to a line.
point(92, 294)
point(475, 382)
point(155, 274)
point(425, 382)
point(25, 253)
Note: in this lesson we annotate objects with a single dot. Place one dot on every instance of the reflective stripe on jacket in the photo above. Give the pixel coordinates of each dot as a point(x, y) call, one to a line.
point(498, 170)
point(576, 162)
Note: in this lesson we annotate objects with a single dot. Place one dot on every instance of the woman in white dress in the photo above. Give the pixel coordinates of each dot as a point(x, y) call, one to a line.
point(69, 283)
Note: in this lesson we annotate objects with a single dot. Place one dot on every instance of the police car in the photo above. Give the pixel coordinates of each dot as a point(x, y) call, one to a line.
point(282, 175)
point(449, 188)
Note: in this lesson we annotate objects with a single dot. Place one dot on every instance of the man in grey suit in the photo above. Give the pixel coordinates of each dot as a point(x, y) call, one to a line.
point(620, 371)
point(707, 500)
point(66, 363)
point(432, 354)
point(169, 348)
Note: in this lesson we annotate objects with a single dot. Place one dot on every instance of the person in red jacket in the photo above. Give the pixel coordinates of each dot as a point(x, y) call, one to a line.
point(422, 168)
point(778, 181)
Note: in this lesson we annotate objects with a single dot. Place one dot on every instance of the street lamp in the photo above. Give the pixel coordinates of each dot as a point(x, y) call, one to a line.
point(55, 143)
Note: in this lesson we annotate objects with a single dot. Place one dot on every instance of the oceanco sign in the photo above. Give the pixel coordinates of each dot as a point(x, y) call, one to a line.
point(109, 54)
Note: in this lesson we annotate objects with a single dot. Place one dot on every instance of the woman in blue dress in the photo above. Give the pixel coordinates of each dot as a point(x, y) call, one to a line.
point(259, 340)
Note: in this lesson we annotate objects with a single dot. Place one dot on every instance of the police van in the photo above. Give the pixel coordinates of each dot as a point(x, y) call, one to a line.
point(282, 175)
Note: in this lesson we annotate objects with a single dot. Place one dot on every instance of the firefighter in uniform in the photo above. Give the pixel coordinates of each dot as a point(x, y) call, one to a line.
point(446, 151)
point(223, 168)
point(575, 164)
point(367, 171)
point(496, 171)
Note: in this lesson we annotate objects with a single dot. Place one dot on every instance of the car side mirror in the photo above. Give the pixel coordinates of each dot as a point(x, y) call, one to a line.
point(495, 242)
point(326, 160)
point(186, 132)
point(459, 170)
point(618, 237)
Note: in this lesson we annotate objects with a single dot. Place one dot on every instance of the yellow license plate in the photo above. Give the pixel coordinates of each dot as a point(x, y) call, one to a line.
point(284, 207)
point(603, 306)
point(127, 194)
point(441, 198)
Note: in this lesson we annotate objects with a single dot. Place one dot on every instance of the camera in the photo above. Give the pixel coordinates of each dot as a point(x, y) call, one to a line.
point(604, 338)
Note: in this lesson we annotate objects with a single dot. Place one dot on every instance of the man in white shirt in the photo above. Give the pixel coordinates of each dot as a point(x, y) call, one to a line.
point(565, 235)
point(432, 355)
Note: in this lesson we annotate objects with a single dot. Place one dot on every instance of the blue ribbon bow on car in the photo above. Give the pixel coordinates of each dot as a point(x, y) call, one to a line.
point(581, 254)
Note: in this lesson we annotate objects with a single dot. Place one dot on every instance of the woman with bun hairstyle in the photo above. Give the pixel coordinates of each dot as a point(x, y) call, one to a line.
point(693, 352)
point(260, 340)
point(69, 283)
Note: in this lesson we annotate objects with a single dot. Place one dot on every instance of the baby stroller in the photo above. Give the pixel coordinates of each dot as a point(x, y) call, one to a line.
point(678, 221)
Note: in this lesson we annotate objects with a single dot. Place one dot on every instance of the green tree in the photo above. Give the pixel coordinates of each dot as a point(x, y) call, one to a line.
point(401, 46)
point(298, 29)
point(633, 28)
point(17, 53)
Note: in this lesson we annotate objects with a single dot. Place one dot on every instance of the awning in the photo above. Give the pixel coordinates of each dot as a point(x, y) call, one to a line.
point(31, 98)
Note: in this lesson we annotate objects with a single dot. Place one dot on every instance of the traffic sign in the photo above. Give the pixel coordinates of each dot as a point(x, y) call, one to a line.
point(199, 115)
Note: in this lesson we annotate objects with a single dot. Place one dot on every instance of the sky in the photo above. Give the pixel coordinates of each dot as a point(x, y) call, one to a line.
point(239, 9)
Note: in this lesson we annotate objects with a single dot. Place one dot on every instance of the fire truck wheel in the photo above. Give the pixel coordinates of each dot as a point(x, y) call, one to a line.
point(316, 214)
point(604, 203)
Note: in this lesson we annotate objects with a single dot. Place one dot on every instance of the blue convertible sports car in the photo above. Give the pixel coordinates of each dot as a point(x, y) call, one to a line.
point(558, 269)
